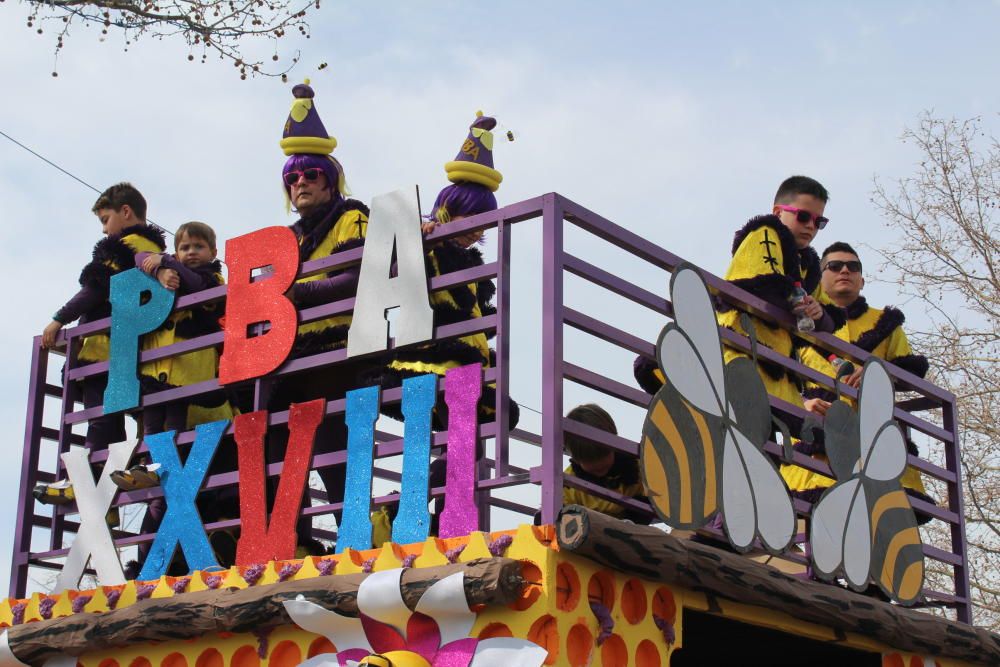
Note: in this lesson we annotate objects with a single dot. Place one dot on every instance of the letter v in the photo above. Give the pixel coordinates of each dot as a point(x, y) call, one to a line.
point(259, 541)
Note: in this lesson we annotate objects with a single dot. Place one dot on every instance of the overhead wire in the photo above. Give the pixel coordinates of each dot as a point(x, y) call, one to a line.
point(70, 174)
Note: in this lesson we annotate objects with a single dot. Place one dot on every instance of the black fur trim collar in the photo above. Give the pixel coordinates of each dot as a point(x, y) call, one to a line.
point(857, 309)
point(313, 229)
point(794, 259)
point(887, 322)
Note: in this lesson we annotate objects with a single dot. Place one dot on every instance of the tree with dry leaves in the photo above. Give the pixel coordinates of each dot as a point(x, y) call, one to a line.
point(947, 259)
point(209, 29)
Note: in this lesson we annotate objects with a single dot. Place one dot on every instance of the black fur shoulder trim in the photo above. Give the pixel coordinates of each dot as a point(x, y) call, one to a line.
point(152, 234)
point(313, 230)
point(644, 370)
point(788, 250)
point(858, 308)
point(884, 326)
point(836, 314)
point(914, 363)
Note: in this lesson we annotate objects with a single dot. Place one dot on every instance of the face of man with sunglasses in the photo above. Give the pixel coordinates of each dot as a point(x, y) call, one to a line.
point(800, 216)
point(309, 191)
point(842, 280)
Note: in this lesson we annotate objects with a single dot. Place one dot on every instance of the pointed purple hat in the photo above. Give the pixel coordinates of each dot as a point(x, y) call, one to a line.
point(304, 132)
point(474, 162)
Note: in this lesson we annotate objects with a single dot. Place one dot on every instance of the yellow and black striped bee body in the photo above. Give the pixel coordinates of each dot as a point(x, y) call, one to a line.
point(681, 458)
point(897, 565)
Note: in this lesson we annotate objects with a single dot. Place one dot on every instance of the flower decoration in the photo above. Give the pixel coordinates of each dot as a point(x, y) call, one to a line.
point(436, 634)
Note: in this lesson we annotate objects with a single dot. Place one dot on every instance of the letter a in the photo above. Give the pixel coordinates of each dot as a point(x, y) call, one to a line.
point(260, 542)
point(394, 222)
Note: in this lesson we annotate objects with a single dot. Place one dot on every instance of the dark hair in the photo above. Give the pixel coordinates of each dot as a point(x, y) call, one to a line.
point(119, 195)
point(331, 168)
point(794, 186)
point(462, 199)
point(839, 246)
point(197, 230)
point(591, 415)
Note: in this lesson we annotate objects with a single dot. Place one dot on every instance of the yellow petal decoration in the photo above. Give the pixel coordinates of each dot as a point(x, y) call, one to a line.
point(485, 136)
point(300, 109)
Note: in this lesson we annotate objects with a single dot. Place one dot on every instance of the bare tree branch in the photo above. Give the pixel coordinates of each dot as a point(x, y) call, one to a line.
point(946, 259)
point(219, 28)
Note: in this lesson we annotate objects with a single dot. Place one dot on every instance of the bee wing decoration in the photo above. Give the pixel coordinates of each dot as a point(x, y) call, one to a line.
point(754, 498)
point(689, 350)
point(840, 535)
point(883, 451)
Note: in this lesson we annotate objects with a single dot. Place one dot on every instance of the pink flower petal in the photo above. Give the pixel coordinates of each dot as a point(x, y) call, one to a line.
point(456, 654)
point(423, 636)
point(382, 637)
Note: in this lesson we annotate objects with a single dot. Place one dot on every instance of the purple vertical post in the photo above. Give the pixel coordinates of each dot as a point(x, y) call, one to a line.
point(29, 466)
point(956, 503)
point(503, 348)
point(69, 396)
point(552, 356)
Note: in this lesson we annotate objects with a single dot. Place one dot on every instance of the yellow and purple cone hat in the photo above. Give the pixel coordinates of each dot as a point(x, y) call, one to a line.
point(474, 162)
point(304, 132)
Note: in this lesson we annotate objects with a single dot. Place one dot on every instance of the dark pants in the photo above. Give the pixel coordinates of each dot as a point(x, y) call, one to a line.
point(106, 429)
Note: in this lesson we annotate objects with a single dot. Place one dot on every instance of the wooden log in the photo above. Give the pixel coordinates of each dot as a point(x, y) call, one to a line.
point(653, 554)
point(488, 581)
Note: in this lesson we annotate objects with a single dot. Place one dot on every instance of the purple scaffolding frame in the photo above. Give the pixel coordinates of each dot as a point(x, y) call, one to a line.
point(555, 211)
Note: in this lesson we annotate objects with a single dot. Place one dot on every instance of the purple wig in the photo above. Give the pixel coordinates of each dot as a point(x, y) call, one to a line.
point(462, 199)
point(331, 168)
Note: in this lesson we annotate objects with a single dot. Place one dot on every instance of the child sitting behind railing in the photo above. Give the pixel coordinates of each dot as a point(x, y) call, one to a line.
point(192, 268)
point(603, 466)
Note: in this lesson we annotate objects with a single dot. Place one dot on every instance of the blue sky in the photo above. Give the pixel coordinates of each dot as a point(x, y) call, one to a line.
point(675, 120)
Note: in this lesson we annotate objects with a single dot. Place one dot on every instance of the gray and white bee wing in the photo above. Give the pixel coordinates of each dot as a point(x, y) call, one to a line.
point(883, 450)
point(840, 534)
point(689, 349)
point(754, 498)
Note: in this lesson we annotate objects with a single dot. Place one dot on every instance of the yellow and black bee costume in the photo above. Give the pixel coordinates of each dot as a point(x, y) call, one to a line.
point(339, 226)
point(879, 332)
point(766, 263)
point(191, 367)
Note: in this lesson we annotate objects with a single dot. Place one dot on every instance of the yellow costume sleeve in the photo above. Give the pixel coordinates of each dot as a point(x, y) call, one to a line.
point(758, 254)
point(898, 345)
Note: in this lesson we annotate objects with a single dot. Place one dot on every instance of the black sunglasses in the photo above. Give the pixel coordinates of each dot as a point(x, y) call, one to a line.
point(836, 265)
point(311, 175)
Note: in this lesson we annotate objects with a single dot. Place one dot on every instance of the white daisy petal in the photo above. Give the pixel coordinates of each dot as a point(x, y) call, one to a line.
point(508, 652)
point(379, 598)
point(445, 602)
point(345, 632)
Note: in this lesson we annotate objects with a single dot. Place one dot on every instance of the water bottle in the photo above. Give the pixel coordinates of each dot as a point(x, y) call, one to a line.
point(805, 323)
point(841, 366)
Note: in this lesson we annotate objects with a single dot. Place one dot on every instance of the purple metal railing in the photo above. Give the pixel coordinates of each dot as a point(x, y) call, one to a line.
point(498, 472)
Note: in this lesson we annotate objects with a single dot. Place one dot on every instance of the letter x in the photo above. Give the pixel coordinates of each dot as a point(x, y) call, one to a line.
point(181, 524)
point(93, 540)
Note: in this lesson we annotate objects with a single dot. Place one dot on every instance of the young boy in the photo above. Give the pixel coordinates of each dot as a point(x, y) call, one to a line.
point(770, 254)
point(192, 268)
point(122, 212)
point(602, 466)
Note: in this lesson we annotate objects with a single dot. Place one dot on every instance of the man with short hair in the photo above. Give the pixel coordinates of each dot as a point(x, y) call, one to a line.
point(879, 332)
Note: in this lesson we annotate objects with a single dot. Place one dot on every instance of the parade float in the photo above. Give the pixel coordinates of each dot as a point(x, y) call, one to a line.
point(768, 579)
